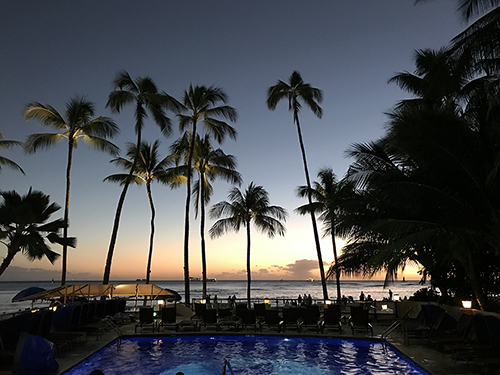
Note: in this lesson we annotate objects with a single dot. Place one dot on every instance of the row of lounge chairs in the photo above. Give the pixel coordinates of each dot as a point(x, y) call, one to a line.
point(65, 327)
point(290, 318)
point(472, 338)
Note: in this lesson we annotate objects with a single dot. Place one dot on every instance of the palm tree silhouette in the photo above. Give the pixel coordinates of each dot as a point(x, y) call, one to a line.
point(471, 8)
point(5, 143)
point(76, 123)
point(147, 99)
point(25, 228)
point(201, 104)
point(294, 91)
point(243, 208)
point(328, 194)
point(148, 168)
point(210, 164)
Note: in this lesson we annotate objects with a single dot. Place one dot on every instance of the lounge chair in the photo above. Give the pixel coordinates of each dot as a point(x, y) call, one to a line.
point(310, 318)
point(332, 317)
point(209, 318)
point(431, 318)
point(65, 322)
point(360, 319)
point(260, 309)
point(291, 318)
point(272, 319)
point(146, 318)
point(60, 339)
point(249, 318)
point(486, 343)
point(199, 308)
point(227, 318)
point(168, 318)
point(456, 335)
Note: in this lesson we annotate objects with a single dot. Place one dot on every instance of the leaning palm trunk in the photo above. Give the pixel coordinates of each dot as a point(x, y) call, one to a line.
point(152, 234)
point(7, 260)
point(313, 218)
point(119, 208)
point(202, 236)
point(249, 276)
point(66, 214)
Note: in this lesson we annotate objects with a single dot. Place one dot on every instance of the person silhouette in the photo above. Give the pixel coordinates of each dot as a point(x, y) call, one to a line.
point(362, 296)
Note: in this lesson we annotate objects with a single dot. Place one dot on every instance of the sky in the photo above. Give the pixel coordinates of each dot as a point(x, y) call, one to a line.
point(52, 51)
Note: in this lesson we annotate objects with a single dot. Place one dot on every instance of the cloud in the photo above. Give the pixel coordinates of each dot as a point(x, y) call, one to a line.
point(14, 273)
point(301, 269)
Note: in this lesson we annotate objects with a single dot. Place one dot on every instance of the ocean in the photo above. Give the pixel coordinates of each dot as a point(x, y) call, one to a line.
point(222, 289)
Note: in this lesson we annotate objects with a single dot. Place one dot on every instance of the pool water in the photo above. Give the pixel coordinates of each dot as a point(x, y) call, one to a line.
point(248, 355)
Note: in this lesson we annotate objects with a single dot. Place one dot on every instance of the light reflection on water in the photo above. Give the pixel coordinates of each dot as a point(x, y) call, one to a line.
point(256, 355)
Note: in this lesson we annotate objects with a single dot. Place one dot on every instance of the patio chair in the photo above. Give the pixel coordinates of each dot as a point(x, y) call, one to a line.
point(249, 318)
point(260, 309)
point(199, 308)
point(272, 319)
point(209, 318)
point(168, 318)
point(310, 317)
point(291, 318)
point(452, 336)
point(146, 318)
point(360, 319)
point(332, 317)
point(227, 318)
point(429, 319)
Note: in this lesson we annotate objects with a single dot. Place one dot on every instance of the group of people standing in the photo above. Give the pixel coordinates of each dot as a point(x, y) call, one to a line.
point(304, 301)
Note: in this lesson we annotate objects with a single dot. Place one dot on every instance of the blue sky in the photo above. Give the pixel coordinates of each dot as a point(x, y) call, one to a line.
point(54, 50)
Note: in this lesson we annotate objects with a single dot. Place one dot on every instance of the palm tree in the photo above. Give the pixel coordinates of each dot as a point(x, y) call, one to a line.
point(242, 209)
point(471, 8)
point(24, 226)
point(5, 143)
point(295, 91)
point(145, 95)
point(147, 170)
point(328, 194)
point(76, 122)
point(201, 104)
point(210, 164)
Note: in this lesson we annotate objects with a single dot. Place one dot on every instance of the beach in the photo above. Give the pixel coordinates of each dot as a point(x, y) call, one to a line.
point(223, 288)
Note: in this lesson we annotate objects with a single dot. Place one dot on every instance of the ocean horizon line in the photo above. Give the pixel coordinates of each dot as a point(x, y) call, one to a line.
point(55, 281)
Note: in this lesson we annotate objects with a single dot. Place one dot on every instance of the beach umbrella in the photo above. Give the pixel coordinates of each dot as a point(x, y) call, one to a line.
point(27, 292)
point(176, 296)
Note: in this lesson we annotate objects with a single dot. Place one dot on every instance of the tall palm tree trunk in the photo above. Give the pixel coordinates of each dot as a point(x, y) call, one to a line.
point(313, 218)
point(64, 261)
point(152, 234)
point(187, 294)
point(202, 236)
point(337, 271)
point(249, 275)
point(119, 208)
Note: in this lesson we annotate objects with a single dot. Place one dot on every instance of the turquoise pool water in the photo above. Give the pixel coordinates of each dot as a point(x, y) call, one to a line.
point(248, 355)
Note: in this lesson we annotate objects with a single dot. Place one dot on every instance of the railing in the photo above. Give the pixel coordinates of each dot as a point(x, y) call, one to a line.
point(387, 332)
point(275, 302)
point(227, 365)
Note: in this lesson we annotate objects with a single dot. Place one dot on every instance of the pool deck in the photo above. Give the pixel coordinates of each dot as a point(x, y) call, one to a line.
point(431, 360)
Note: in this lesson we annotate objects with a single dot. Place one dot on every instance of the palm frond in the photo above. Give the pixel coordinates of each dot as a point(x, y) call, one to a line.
point(34, 142)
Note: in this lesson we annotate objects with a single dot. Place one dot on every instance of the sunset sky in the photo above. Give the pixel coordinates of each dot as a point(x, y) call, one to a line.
point(54, 50)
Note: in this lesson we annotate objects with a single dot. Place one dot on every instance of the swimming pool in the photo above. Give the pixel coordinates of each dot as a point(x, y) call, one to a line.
point(255, 355)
